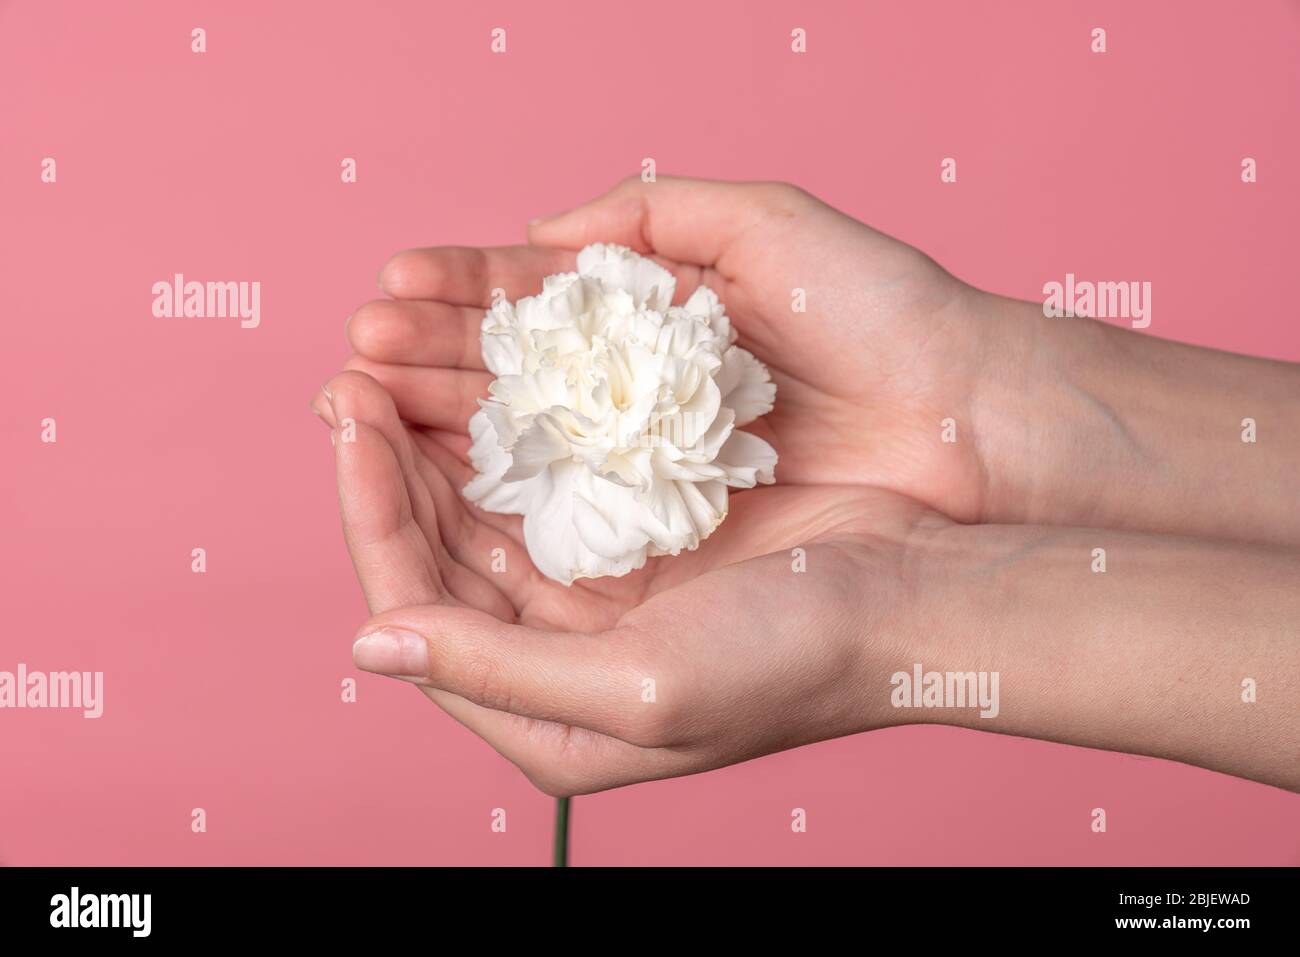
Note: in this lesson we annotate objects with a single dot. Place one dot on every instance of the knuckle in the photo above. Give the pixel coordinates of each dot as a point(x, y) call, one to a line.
point(555, 758)
point(656, 714)
point(476, 266)
point(653, 725)
point(564, 760)
point(482, 678)
point(664, 721)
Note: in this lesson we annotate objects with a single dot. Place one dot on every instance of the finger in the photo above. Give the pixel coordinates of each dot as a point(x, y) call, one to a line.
point(394, 572)
point(517, 576)
point(587, 680)
point(418, 332)
point(440, 398)
point(392, 564)
point(443, 449)
point(321, 406)
point(467, 275)
point(490, 544)
point(444, 452)
point(360, 397)
point(689, 220)
point(389, 552)
point(457, 443)
point(471, 536)
point(356, 396)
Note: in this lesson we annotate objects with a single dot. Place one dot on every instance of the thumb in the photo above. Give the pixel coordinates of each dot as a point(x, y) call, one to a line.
point(687, 220)
point(587, 680)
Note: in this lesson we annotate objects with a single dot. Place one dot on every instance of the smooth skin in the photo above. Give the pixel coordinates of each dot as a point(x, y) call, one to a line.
point(744, 654)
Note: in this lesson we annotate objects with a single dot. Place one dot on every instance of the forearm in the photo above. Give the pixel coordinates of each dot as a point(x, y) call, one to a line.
point(1082, 423)
point(1151, 656)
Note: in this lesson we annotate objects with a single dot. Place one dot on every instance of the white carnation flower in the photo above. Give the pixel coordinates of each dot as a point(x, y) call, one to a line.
point(613, 423)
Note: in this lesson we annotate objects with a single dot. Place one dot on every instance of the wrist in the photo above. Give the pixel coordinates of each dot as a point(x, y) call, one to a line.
point(927, 623)
point(1051, 437)
point(1151, 659)
point(1071, 416)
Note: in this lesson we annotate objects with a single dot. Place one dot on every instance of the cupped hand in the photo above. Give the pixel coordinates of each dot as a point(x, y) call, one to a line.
point(766, 637)
point(757, 640)
point(871, 344)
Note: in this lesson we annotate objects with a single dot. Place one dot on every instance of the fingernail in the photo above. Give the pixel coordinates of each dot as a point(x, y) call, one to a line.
point(392, 652)
point(326, 389)
point(315, 411)
point(332, 434)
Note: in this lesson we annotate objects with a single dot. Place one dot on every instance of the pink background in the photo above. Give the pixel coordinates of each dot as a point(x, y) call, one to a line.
point(223, 689)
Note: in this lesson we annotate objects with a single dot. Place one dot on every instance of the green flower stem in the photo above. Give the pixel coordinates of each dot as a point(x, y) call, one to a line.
point(561, 832)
